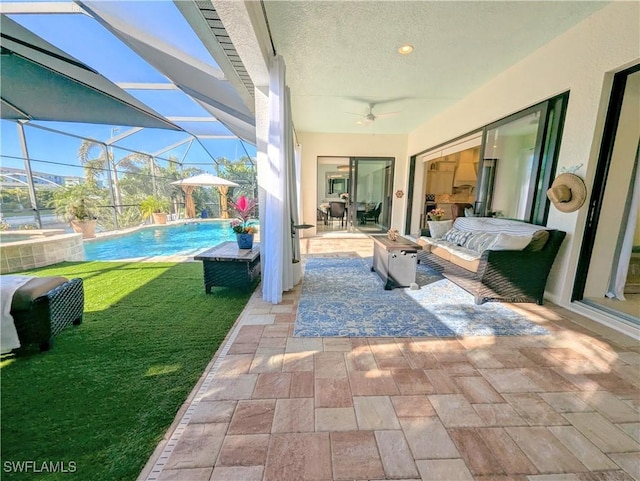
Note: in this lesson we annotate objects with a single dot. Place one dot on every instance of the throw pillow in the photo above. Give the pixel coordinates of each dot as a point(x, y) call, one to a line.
point(507, 242)
point(480, 241)
point(437, 228)
point(457, 237)
point(538, 241)
point(468, 212)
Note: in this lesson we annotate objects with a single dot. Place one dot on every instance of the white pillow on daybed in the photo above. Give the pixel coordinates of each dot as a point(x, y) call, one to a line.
point(437, 228)
point(508, 242)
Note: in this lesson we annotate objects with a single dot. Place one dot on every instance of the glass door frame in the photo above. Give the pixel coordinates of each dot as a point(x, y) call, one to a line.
point(596, 200)
point(485, 185)
point(553, 120)
point(354, 162)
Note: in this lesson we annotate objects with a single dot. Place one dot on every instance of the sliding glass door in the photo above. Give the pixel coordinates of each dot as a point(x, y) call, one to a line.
point(371, 193)
point(504, 169)
point(509, 168)
point(608, 276)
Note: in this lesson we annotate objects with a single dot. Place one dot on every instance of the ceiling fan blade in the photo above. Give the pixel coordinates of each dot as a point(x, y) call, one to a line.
point(387, 114)
point(353, 113)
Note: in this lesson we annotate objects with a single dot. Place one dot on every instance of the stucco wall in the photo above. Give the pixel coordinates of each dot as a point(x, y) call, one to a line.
point(581, 61)
point(316, 145)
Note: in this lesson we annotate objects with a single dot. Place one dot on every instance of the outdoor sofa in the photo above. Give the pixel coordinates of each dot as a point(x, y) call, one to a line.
point(44, 306)
point(494, 259)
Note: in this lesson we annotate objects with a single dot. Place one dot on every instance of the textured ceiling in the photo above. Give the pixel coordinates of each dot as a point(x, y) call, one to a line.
point(341, 55)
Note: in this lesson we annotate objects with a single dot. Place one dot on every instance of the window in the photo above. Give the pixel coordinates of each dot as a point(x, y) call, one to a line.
point(506, 167)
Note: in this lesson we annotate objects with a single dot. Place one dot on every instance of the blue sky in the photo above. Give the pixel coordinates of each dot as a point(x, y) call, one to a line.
point(55, 150)
point(85, 39)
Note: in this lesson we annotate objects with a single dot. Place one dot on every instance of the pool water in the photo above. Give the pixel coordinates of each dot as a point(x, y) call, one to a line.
point(182, 239)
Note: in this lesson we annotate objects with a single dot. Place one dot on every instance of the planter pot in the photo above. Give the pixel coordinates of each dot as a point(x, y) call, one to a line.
point(245, 241)
point(159, 218)
point(85, 227)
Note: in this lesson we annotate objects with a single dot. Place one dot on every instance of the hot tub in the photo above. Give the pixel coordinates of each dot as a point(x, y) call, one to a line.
point(22, 250)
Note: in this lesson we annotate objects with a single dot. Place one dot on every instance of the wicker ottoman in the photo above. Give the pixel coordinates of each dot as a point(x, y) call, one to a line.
point(227, 265)
point(44, 306)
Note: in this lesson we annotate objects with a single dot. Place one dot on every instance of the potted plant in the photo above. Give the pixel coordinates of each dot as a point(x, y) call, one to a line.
point(80, 215)
point(436, 214)
point(155, 207)
point(243, 227)
point(77, 204)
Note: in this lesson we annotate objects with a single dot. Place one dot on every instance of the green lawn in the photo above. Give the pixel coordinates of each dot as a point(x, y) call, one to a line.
point(103, 397)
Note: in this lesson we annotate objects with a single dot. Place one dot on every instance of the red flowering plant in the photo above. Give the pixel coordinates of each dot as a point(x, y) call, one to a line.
point(244, 207)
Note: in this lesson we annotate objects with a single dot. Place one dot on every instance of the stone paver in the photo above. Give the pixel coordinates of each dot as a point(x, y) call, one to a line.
point(444, 470)
point(198, 446)
point(375, 412)
point(412, 406)
point(213, 412)
point(545, 451)
point(454, 410)
point(253, 417)
point(396, 455)
point(294, 416)
point(244, 450)
point(561, 407)
point(335, 419)
point(354, 455)
point(296, 456)
point(235, 473)
point(428, 439)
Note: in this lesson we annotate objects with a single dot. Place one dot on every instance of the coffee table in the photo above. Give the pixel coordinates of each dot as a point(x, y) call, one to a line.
point(226, 265)
point(395, 261)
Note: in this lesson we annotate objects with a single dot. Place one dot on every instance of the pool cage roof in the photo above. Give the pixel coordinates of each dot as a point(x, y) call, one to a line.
point(142, 77)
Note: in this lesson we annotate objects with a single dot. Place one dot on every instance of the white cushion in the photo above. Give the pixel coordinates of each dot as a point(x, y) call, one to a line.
point(507, 242)
point(496, 226)
point(437, 228)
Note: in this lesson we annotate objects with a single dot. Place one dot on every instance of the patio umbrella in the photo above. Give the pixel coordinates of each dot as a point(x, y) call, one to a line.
point(201, 180)
point(41, 82)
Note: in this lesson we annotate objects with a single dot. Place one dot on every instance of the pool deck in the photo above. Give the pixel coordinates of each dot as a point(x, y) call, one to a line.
point(271, 406)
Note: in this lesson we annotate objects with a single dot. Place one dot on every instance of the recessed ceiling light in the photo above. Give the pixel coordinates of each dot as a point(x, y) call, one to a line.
point(406, 49)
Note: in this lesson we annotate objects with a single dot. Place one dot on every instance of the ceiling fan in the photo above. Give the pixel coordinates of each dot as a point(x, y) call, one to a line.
point(369, 118)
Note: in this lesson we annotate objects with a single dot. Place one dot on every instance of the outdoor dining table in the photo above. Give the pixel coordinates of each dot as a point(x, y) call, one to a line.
point(325, 207)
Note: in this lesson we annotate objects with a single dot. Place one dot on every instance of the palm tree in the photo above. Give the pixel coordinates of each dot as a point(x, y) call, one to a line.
point(97, 158)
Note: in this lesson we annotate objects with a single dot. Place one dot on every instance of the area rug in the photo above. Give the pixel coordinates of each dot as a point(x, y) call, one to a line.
point(342, 297)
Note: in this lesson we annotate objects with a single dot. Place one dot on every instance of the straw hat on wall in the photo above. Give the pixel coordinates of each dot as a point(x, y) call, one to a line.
point(567, 193)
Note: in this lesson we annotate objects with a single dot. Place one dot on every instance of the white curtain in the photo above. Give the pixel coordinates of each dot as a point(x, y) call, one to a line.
point(619, 273)
point(277, 180)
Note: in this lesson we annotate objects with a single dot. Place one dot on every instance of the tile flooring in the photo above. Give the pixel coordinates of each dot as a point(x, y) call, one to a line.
point(562, 407)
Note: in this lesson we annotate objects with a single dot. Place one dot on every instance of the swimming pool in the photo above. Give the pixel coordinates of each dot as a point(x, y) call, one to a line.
point(180, 239)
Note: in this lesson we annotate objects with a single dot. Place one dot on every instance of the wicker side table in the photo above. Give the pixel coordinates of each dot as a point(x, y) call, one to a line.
point(226, 265)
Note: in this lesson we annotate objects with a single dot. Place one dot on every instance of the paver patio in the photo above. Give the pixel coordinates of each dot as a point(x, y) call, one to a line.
point(542, 408)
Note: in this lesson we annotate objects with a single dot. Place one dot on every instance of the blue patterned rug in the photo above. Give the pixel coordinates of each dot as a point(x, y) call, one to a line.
point(342, 297)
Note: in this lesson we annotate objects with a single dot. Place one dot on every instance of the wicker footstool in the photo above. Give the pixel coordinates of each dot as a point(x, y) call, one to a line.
point(44, 306)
